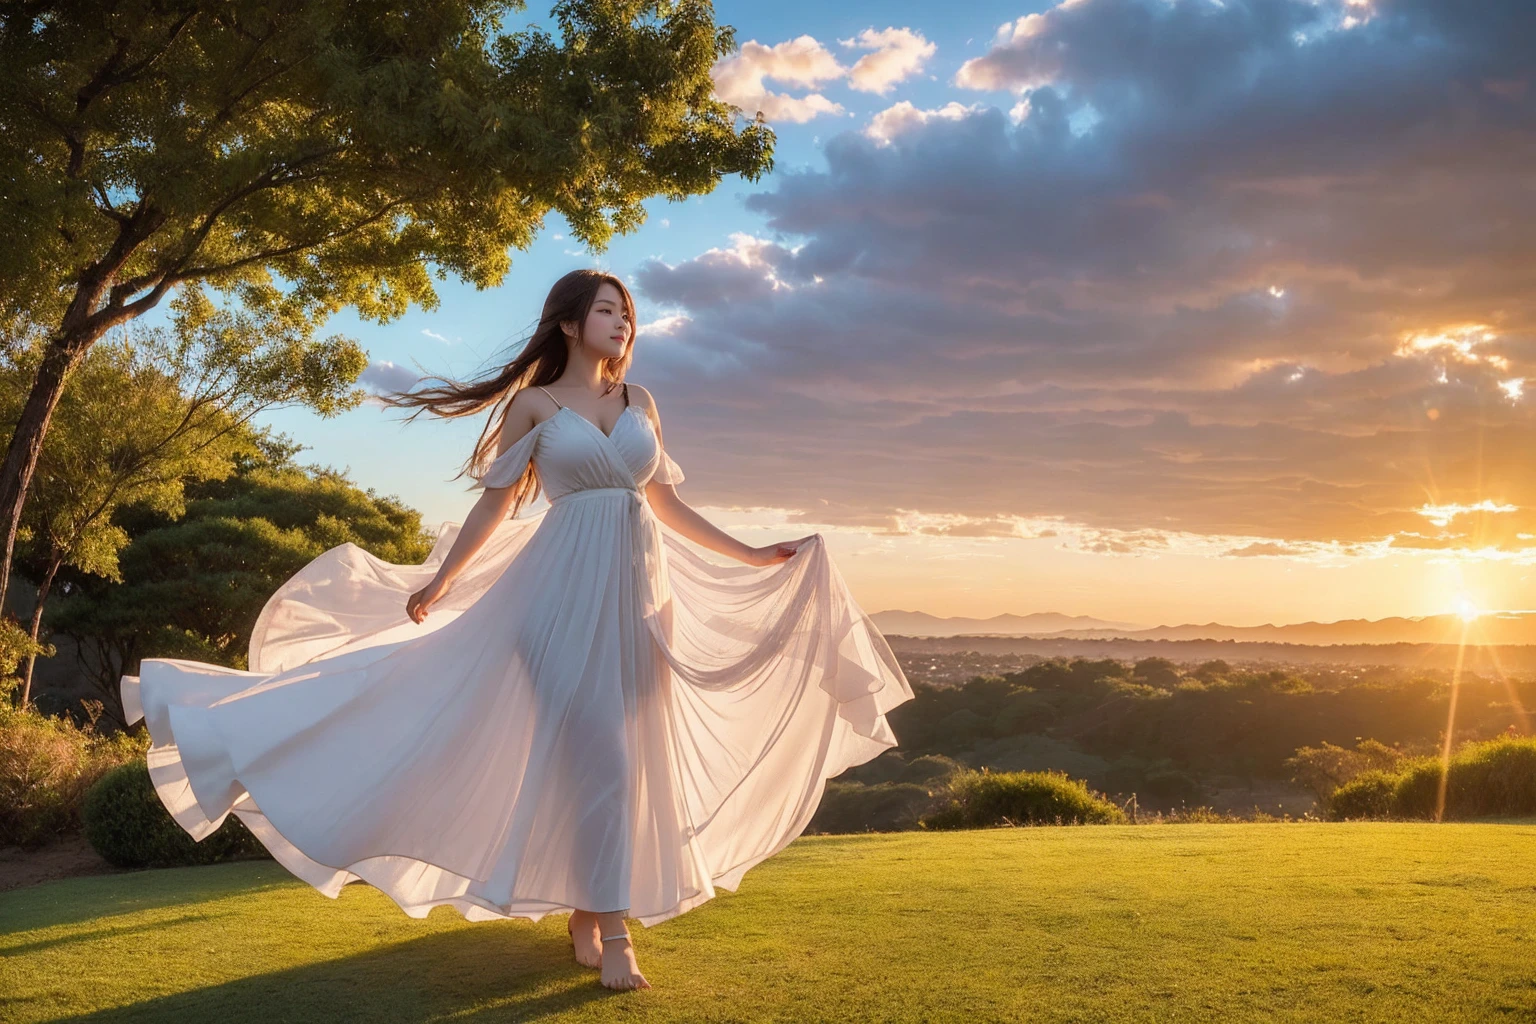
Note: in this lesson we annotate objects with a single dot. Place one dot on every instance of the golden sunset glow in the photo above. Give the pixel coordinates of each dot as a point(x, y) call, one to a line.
point(1441, 515)
point(1006, 413)
point(1460, 341)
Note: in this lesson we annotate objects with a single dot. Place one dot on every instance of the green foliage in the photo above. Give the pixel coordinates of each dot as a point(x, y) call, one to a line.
point(15, 647)
point(1324, 769)
point(128, 825)
point(193, 587)
point(930, 767)
point(989, 799)
point(886, 794)
point(1490, 779)
point(305, 157)
point(1496, 778)
point(47, 764)
point(1166, 733)
point(883, 807)
point(1367, 795)
point(1157, 673)
point(144, 415)
point(342, 148)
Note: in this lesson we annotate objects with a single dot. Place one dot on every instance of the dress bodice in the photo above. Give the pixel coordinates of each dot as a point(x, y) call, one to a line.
point(573, 454)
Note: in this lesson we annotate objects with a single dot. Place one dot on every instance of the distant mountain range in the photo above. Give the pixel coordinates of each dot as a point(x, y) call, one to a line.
point(1491, 628)
point(1036, 624)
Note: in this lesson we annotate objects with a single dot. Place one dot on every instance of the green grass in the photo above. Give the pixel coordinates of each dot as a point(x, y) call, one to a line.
point(1257, 922)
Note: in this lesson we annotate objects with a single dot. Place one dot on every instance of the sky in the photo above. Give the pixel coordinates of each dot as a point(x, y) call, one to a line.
point(1152, 310)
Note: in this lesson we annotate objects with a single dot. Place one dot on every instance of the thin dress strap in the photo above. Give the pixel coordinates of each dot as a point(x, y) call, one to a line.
point(552, 398)
point(626, 394)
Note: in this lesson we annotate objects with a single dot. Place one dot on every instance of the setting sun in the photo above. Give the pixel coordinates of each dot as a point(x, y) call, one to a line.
point(1466, 609)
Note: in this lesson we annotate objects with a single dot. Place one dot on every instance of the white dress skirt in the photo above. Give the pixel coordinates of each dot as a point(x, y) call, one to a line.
point(594, 716)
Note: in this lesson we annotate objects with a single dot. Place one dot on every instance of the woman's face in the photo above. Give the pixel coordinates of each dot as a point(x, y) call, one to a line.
point(607, 329)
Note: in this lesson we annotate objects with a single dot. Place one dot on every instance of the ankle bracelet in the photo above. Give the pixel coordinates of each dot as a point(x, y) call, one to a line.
point(605, 938)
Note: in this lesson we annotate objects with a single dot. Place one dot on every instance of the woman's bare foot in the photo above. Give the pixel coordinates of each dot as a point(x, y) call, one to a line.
point(582, 927)
point(619, 968)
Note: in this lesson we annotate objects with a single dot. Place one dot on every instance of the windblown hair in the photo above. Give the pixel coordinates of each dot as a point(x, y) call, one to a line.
point(541, 360)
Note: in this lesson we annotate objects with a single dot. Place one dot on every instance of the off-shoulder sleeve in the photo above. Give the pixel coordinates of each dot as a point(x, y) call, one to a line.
point(507, 468)
point(667, 471)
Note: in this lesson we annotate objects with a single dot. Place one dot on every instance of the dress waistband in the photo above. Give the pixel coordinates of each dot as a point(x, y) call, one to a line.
point(648, 552)
point(587, 492)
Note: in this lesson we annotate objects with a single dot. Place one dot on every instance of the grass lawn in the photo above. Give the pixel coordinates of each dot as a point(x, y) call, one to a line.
point(1252, 922)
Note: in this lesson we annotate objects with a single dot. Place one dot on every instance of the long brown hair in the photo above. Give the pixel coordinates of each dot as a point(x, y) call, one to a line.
point(541, 360)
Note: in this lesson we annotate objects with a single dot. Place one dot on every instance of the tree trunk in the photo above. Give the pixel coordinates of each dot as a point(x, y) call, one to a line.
point(37, 624)
point(80, 328)
point(63, 355)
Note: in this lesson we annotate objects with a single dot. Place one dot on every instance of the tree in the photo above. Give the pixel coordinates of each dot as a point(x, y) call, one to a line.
point(144, 415)
point(193, 587)
point(1324, 769)
point(307, 155)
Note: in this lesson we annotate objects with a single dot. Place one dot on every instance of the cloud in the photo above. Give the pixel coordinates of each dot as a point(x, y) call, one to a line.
point(804, 63)
point(667, 324)
point(898, 54)
point(382, 375)
point(903, 116)
point(1239, 270)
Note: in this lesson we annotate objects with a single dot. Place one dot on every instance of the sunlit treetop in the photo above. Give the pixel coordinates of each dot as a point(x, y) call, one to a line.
point(312, 155)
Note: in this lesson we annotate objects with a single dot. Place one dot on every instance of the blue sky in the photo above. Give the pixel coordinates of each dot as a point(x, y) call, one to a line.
point(471, 327)
point(1155, 310)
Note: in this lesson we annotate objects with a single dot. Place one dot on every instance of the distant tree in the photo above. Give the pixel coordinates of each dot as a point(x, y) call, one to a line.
point(193, 587)
point(1325, 768)
point(1157, 672)
point(305, 155)
point(1210, 671)
point(144, 415)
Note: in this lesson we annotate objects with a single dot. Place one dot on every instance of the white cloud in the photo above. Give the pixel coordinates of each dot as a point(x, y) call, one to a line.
point(804, 63)
point(668, 324)
point(898, 54)
point(903, 116)
point(1208, 314)
point(801, 62)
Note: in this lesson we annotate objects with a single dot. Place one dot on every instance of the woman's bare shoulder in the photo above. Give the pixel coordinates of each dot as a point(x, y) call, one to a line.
point(645, 399)
point(526, 409)
point(641, 397)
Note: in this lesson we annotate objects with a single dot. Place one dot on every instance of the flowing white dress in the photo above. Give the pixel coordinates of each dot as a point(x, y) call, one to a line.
point(594, 716)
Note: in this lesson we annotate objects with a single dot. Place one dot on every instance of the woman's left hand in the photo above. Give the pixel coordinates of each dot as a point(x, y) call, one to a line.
point(772, 554)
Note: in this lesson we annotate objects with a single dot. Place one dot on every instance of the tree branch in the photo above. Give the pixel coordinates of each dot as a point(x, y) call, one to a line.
point(106, 78)
point(286, 250)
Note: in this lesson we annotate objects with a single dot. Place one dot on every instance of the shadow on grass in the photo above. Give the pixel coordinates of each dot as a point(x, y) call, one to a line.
point(485, 973)
point(67, 901)
point(110, 932)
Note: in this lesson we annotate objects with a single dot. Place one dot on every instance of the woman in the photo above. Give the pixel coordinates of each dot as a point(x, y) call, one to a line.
point(570, 710)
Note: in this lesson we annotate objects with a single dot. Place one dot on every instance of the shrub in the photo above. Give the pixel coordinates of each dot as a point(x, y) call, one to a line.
point(1417, 789)
point(1367, 795)
point(1496, 778)
point(1492, 779)
point(128, 825)
point(1324, 769)
point(988, 799)
point(883, 807)
point(47, 764)
point(888, 767)
point(929, 768)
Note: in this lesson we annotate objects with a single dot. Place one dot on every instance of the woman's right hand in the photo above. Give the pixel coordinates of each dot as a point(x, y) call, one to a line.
point(418, 603)
point(772, 554)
